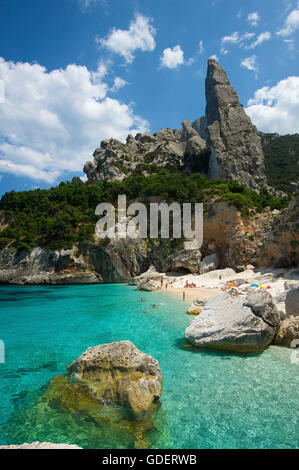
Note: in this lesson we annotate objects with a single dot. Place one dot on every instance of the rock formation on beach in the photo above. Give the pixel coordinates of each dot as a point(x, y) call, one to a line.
point(235, 146)
point(231, 323)
point(118, 372)
point(223, 144)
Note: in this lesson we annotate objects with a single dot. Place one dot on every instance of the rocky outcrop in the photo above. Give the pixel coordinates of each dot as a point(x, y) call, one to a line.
point(183, 260)
point(288, 331)
point(236, 149)
point(196, 307)
point(209, 263)
point(119, 373)
point(292, 302)
point(149, 285)
point(42, 446)
point(223, 144)
point(41, 267)
point(230, 323)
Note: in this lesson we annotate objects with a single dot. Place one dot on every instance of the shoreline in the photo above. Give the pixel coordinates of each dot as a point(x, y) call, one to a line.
point(191, 294)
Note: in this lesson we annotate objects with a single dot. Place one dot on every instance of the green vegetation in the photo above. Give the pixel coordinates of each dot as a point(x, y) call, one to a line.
point(281, 159)
point(62, 216)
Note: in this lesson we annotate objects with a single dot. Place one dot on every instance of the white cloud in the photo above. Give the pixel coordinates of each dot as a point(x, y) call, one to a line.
point(291, 24)
point(234, 38)
point(201, 47)
point(250, 63)
point(290, 43)
point(51, 122)
point(172, 58)
point(214, 57)
point(260, 39)
point(118, 83)
point(253, 18)
point(276, 109)
point(140, 35)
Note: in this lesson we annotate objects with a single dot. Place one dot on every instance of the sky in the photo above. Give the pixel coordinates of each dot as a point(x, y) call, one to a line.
point(75, 72)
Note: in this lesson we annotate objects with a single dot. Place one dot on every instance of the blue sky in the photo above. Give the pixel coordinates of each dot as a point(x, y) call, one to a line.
point(73, 72)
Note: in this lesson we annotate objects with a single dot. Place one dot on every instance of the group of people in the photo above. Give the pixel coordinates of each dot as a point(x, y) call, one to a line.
point(189, 285)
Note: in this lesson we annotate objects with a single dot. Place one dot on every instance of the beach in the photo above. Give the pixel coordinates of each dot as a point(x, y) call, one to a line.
point(191, 294)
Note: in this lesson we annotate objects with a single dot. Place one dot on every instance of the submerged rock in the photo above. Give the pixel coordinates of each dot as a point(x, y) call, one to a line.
point(231, 323)
point(119, 373)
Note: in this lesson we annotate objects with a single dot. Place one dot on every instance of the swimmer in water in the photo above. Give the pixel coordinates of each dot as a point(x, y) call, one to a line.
point(154, 306)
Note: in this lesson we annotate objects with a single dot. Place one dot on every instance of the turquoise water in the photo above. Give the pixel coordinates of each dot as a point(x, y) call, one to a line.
point(210, 399)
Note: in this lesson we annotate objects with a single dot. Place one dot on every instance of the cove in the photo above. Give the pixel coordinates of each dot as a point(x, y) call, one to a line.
point(210, 399)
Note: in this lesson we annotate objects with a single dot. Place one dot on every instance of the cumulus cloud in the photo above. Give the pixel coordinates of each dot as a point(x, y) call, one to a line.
point(260, 39)
point(253, 18)
point(214, 57)
point(276, 109)
point(51, 122)
point(140, 35)
point(291, 24)
point(250, 63)
point(172, 58)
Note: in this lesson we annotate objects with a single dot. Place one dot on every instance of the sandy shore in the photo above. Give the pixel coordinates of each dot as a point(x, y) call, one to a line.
point(191, 293)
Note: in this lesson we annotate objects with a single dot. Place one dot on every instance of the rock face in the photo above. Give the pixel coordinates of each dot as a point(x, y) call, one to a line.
point(231, 323)
point(279, 241)
point(236, 149)
point(149, 285)
point(118, 372)
point(292, 302)
point(223, 144)
point(41, 267)
point(184, 259)
point(209, 263)
point(41, 445)
point(288, 331)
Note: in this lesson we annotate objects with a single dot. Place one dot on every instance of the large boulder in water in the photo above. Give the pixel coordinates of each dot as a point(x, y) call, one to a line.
point(231, 323)
point(118, 372)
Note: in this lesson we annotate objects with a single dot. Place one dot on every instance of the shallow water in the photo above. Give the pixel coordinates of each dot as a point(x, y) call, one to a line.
point(210, 399)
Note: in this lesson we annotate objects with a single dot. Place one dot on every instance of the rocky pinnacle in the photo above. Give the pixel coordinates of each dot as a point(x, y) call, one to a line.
point(236, 149)
point(223, 144)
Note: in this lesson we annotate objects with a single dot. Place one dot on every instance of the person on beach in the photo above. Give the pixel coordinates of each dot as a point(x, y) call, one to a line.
point(184, 295)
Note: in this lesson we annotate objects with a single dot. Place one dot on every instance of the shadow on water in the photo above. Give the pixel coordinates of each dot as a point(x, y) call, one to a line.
point(184, 345)
point(21, 371)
